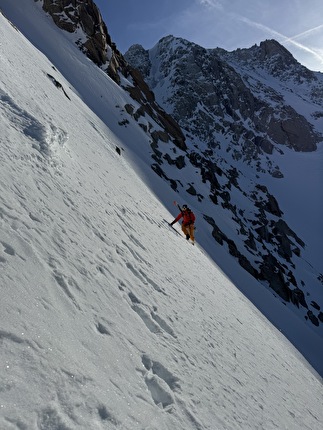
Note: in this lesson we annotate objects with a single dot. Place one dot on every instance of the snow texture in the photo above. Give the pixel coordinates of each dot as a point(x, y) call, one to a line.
point(108, 319)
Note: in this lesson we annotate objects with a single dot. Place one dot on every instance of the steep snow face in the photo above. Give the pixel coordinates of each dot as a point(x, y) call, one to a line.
point(257, 235)
point(108, 318)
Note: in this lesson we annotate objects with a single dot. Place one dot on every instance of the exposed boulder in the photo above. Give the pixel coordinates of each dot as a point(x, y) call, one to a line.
point(313, 318)
point(273, 272)
point(294, 131)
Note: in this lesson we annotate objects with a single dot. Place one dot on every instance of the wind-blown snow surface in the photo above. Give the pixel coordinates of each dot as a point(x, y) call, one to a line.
point(110, 320)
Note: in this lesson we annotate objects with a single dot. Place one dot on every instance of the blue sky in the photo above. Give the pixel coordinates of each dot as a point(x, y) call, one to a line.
point(229, 24)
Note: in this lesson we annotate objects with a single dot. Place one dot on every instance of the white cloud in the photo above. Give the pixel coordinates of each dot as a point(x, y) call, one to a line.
point(212, 4)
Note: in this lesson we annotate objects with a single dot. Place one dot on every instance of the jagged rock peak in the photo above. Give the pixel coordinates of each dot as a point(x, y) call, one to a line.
point(265, 50)
point(72, 15)
point(168, 49)
point(270, 51)
point(170, 43)
point(138, 57)
point(69, 15)
point(166, 40)
point(173, 44)
point(137, 47)
point(273, 57)
point(271, 47)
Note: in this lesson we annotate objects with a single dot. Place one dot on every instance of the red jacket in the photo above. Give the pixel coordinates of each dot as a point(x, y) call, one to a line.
point(188, 217)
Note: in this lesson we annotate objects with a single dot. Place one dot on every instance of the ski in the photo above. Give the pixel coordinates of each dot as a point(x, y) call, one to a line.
point(172, 228)
point(177, 232)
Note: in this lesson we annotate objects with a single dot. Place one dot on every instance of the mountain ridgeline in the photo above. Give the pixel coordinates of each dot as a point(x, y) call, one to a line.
point(222, 119)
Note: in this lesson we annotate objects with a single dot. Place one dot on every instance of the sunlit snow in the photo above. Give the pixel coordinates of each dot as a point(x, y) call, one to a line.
point(110, 320)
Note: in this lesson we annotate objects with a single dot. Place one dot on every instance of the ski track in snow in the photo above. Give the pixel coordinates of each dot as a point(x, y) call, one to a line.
point(46, 139)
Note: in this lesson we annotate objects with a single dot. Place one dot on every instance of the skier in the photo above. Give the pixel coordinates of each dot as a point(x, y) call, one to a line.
point(188, 222)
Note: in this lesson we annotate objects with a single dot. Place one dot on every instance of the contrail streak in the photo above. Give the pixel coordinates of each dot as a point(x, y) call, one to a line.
point(286, 39)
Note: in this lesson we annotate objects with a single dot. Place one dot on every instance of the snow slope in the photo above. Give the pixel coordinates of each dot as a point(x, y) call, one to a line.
point(107, 103)
point(109, 320)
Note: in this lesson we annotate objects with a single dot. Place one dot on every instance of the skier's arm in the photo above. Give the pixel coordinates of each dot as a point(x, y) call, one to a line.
point(179, 216)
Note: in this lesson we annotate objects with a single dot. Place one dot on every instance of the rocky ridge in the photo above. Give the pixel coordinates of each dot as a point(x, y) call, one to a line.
point(212, 93)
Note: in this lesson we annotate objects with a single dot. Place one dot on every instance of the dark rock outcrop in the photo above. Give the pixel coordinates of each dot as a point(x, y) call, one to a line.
point(71, 15)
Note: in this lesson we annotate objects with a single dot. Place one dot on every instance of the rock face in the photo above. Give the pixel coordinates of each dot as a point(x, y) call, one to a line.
point(72, 15)
point(212, 92)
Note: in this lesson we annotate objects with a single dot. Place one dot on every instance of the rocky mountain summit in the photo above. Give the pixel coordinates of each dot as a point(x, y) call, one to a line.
point(215, 120)
point(213, 93)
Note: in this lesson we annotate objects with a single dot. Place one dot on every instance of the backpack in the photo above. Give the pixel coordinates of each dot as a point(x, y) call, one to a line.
point(190, 215)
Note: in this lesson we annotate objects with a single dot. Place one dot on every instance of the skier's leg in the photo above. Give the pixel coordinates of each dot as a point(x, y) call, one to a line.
point(185, 230)
point(191, 227)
